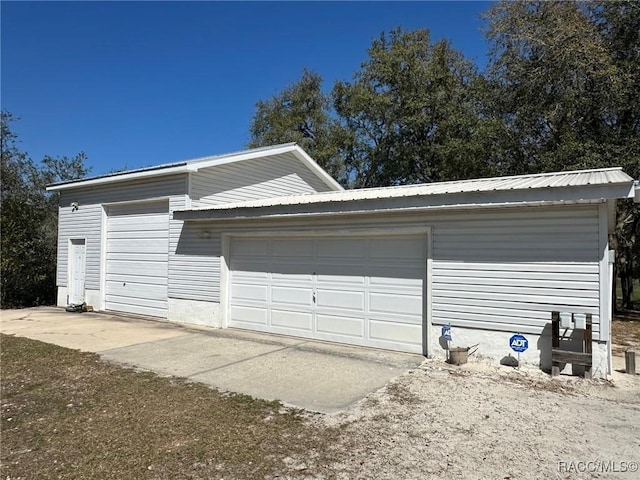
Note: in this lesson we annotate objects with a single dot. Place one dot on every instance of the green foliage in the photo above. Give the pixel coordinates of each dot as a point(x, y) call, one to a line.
point(29, 221)
point(565, 81)
point(413, 114)
point(300, 114)
point(562, 91)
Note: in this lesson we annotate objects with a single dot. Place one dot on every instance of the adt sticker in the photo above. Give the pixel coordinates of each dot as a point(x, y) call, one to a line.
point(518, 343)
point(446, 332)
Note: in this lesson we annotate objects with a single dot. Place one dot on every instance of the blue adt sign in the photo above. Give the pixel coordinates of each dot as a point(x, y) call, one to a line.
point(518, 343)
point(446, 332)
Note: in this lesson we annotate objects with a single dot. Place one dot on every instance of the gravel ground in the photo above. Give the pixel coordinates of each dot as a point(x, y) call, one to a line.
point(479, 421)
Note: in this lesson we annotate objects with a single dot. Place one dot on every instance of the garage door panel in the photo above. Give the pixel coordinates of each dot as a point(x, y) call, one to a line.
point(249, 248)
point(368, 290)
point(395, 332)
point(343, 273)
point(136, 290)
point(141, 246)
point(137, 258)
point(292, 296)
point(292, 270)
point(339, 299)
point(152, 224)
point(146, 303)
point(250, 292)
point(332, 280)
point(396, 304)
point(245, 270)
point(128, 257)
point(141, 308)
point(293, 248)
point(349, 248)
point(394, 275)
point(159, 233)
point(147, 279)
point(342, 268)
point(340, 325)
point(291, 319)
point(252, 315)
point(150, 268)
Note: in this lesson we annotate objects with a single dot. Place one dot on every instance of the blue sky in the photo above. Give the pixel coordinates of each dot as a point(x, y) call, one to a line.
point(135, 84)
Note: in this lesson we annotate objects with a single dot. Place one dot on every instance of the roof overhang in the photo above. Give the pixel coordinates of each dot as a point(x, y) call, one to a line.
point(349, 203)
point(196, 165)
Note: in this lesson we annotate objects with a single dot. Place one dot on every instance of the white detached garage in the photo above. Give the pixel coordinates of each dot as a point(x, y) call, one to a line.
point(265, 240)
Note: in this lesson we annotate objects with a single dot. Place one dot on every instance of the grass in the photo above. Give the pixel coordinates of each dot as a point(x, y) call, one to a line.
point(66, 414)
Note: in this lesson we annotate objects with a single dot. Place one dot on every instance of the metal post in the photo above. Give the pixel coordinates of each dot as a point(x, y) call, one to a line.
point(630, 362)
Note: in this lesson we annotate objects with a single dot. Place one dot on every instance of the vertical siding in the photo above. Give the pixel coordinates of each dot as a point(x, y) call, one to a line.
point(273, 176)
point(86, 222)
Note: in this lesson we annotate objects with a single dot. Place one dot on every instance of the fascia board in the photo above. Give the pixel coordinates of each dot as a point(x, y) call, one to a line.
point(192, 215)
point(314, 167)
point(196, 166)
point(125, 177)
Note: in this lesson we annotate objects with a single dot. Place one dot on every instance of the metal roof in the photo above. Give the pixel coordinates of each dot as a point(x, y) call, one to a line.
point(595, 177)
point(194, 165)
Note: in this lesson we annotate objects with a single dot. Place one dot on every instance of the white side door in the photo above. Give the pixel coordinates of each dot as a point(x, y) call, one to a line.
point(77, 269)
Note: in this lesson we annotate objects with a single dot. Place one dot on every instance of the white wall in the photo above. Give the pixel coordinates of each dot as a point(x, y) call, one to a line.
point(194, 312)
point(506, 271)
point(87, 221)
point(194, 265)
point(494, 347)
point(273, 176)
point(499, 269)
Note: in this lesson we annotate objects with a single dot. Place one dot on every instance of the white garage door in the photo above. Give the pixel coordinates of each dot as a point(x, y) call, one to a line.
point(358, 290)
point(137, 258)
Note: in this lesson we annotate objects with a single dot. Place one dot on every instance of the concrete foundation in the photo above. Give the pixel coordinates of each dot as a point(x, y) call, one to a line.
point(91, 297)
point(194, 312)
point(62, 297)
point(494, 346)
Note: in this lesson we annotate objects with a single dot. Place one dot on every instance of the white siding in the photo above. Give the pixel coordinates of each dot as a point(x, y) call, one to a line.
point(194, 263)
point(274, 176)
point(508, 271)
point(137, 258)
point(86, 222)
point(500, 269)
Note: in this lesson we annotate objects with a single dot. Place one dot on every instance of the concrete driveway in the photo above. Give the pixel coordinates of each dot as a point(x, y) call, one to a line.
point(313, 375)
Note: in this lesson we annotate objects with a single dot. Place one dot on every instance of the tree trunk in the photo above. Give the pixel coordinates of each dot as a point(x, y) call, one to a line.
point(614, 293)
point(626, 280)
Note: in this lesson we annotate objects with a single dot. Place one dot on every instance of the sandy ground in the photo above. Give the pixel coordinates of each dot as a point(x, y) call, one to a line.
point(480, 421)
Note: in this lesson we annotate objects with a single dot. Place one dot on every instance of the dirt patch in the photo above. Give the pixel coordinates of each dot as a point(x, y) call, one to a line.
point(66, 414)
point(479, 421)
point(625, 330)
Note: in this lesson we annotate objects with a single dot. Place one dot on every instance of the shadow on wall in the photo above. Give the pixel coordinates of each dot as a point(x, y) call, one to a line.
point(198, 240)
point(571, 340)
